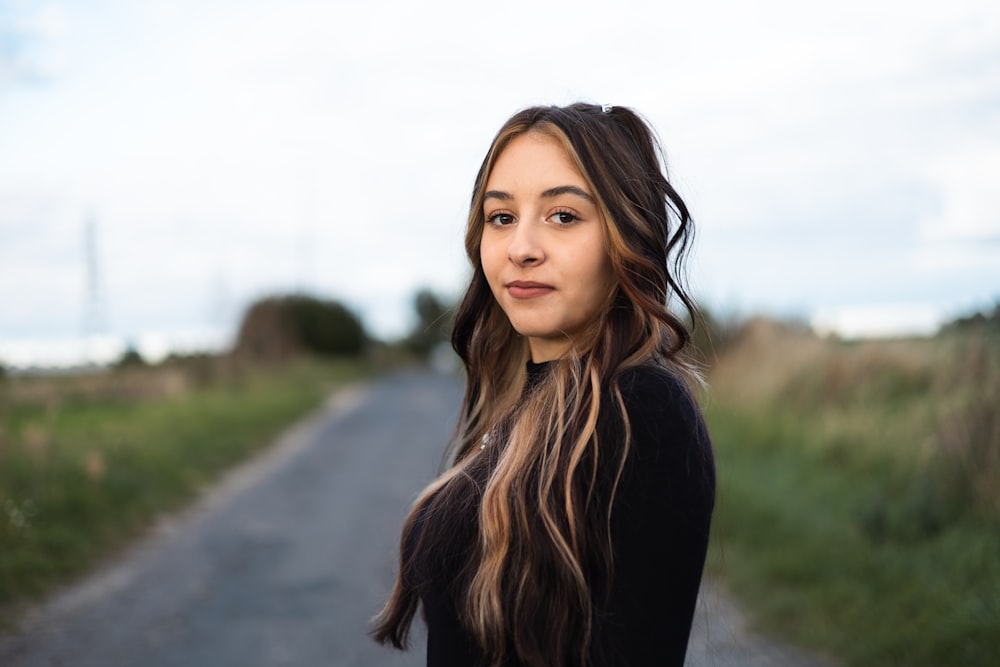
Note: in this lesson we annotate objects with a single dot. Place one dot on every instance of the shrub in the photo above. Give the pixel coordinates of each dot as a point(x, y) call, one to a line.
point(987, 319)
point(131, 358)
point(278, 328)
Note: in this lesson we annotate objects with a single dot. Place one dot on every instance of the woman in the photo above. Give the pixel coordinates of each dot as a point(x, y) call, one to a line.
point(572, 525)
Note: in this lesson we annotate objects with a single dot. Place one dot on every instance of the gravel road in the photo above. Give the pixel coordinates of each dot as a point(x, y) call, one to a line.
point(285, 560)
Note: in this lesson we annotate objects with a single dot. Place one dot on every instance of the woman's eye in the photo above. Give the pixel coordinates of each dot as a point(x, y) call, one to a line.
point(564, 218)
point(500, 219)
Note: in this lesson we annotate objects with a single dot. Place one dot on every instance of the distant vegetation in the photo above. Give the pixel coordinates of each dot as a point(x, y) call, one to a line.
point(433, 327)
point(987, 319)
point(859, 497)
point(131, 358)
point(280, 328)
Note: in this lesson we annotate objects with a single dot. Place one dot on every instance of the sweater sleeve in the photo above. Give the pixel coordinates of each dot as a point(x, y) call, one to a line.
point(659, 526)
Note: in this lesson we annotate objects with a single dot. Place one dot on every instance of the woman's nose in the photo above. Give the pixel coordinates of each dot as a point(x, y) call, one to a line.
point(525, 247)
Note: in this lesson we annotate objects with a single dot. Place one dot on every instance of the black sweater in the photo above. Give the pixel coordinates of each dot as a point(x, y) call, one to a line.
point(659, 532)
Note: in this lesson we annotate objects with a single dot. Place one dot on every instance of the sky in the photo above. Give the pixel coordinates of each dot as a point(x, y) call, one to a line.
point(841, 161)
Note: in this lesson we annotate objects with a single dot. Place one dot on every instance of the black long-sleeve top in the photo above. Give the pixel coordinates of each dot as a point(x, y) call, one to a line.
point(659, 533)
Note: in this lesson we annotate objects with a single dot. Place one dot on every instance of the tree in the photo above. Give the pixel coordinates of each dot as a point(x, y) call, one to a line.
point(131, 358)
point(434, 320)
point(278, 328)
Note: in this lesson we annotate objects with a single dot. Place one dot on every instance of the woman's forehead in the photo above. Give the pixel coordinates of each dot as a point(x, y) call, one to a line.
point(537, 161)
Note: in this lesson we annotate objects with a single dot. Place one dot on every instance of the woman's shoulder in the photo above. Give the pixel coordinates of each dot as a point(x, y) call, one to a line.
point(654, 388)
point(663, 415)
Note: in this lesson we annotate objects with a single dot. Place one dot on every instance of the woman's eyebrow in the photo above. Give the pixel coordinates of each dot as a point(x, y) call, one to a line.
point(497, 194)
point(547, 194)
point(567, 190)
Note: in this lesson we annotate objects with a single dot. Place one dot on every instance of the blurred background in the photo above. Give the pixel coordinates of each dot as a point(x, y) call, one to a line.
point(213, 208)
point(162, 165)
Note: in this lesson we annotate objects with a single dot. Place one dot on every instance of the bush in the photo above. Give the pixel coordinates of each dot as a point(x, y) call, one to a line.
point(131, 358)
point(987, 319)
point(278, 328)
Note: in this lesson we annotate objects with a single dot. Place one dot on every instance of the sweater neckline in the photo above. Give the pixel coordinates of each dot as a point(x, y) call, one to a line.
point(536, 371)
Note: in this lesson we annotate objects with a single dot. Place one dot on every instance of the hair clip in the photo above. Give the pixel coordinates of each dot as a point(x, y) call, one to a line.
point(606, 108)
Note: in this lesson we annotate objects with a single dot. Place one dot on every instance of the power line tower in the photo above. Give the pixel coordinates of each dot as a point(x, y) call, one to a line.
point(94, 314)
point(305, 255)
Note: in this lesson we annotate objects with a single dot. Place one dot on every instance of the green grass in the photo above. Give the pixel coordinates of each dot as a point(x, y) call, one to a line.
point(834, 541)
point(83, 472)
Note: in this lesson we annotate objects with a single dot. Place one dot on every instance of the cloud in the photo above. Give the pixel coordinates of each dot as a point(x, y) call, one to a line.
point(880, 320)
point(333, 145)
point(30, 38)
point(967, 181)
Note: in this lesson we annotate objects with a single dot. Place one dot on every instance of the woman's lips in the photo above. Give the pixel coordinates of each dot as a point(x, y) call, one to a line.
point(524, 289)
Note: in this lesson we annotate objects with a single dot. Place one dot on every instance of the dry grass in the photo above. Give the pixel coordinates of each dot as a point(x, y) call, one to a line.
point(929, 402)
point(859, 498)
point(968, 428)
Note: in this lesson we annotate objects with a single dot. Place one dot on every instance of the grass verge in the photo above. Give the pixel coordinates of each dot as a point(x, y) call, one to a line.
point(821, 556)
point(82, 472)
point(849, 518)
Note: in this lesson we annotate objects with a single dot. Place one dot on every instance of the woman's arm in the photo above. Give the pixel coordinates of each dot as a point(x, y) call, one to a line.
point(659, 526)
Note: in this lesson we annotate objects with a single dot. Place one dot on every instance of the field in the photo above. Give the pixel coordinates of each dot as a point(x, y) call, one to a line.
point(859, 498)
point(89, 461)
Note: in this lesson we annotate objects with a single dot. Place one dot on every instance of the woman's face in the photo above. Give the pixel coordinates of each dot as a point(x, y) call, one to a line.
point(543, 249)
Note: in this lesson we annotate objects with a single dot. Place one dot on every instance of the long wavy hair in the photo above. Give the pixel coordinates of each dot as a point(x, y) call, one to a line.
point(516, 534)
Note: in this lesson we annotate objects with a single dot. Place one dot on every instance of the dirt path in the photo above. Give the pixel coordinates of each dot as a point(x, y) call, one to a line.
point(721, 638)
point(284, 562)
